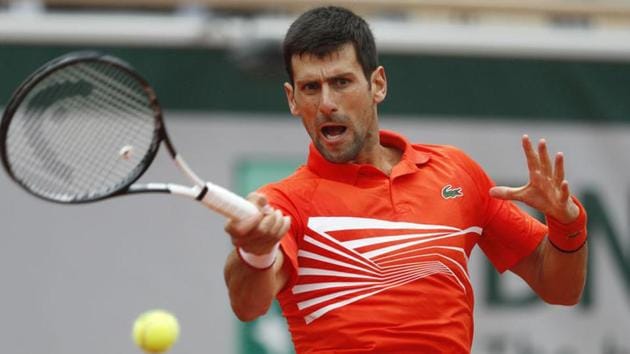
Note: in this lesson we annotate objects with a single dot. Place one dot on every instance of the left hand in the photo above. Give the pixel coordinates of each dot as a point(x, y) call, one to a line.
point(547, 190)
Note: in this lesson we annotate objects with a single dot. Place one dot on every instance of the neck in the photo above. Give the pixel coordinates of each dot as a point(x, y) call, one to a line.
point(382, 157)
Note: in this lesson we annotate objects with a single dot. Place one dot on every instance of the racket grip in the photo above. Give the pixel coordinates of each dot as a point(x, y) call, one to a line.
point(228, 203)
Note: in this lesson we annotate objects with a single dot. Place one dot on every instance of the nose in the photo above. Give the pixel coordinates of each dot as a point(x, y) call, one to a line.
point(327, 104)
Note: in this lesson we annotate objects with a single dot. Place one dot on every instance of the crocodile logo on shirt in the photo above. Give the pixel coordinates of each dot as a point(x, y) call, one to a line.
point(449, 192)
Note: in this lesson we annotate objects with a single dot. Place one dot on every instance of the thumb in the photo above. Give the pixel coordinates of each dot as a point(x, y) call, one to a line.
point(500, 192)
point(244, 226)
point(258, 199)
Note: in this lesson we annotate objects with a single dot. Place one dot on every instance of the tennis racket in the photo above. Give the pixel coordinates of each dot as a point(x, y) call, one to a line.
point(85, 127)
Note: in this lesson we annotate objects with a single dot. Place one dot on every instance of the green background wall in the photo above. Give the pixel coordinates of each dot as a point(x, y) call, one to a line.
point(209, 79)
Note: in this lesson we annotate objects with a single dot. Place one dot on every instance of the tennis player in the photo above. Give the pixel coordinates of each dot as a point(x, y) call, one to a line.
point(366, 246)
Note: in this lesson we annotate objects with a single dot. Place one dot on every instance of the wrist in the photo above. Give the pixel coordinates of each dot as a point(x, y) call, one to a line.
point(568, 237)
point(259, 261)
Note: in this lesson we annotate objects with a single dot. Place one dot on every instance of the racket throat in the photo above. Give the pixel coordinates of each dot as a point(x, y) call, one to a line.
point(183, 166)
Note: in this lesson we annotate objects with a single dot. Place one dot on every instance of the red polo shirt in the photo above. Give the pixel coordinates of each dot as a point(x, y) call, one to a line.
point(379, 263)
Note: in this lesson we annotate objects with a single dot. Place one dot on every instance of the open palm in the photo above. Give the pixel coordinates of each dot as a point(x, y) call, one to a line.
point(547, 190)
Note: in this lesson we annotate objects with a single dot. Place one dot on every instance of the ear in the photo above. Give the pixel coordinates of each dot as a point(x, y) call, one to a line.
point(379, 84)
point(288, 90)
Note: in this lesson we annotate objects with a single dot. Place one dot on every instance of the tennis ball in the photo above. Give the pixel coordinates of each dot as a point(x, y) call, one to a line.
point(126, 152)
point(155, 331)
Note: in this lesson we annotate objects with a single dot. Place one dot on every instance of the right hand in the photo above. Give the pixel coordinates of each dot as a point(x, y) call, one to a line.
point(259, 233)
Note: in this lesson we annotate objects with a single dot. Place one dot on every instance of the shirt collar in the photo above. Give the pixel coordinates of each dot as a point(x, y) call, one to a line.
point(348, 172)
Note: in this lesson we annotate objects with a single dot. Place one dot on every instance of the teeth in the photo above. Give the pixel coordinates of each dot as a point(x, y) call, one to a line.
point(333, 130)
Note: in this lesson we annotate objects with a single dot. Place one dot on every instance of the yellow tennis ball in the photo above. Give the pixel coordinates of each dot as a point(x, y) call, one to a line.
point(155, 331)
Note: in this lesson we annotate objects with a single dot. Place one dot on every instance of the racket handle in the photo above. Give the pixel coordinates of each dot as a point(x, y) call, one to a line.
point(227, 203)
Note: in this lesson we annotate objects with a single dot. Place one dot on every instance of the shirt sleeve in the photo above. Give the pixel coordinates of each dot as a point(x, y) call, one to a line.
point(509, 233)
point(510, 236)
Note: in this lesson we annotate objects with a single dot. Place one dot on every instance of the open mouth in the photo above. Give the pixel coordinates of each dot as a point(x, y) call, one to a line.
point(333, 132)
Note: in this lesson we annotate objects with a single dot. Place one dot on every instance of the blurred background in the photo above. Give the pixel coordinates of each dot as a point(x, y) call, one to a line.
point(472, 73)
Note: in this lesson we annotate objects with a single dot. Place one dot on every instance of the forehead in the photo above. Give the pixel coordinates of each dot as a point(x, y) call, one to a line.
point(343, 60)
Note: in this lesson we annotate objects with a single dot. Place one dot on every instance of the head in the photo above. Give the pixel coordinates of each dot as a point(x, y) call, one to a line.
point(335, 81)
point(321, 31)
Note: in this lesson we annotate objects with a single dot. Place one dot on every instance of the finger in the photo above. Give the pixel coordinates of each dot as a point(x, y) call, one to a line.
point(286, 224)
point(267, 223)
point(543, 157)
point(506, 193)
point(277, 224)
point(565, 192)
point(258, 199)
point(558, 170)
point(240, 228)
point(530, 154)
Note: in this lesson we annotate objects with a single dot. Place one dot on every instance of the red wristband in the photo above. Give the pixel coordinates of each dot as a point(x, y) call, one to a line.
point(568, 237)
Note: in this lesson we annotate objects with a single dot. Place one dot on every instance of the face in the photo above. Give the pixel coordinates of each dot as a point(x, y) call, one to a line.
point(337, 103)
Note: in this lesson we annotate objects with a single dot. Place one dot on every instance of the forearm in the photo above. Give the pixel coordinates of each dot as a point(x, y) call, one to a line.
point(252, 290)
point(562, 275)
point(556, 270)
point(564, 257)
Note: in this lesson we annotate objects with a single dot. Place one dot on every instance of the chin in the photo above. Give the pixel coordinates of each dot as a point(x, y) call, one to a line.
point(338, 157)
point(344, 154)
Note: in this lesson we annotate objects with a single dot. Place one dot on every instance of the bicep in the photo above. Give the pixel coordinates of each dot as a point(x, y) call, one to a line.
point(528, 268)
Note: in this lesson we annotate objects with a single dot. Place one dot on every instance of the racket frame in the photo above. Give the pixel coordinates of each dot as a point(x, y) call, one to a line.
point(213, 196)
point(159, 133)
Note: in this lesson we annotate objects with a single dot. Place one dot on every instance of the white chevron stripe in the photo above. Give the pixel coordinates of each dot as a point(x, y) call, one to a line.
point(408, 270)
point(332, 273)
point(352, 254)
point(410, 266)
point(304, 288)
point(318, 257)
point(298, 289)
point(377, 270)
point(389, 249)
point(388, 277)
point(457, 264)
point(396, 256)
point(322, 311)
point(416, 275)
point(327, 224)
point(369, 241)
point(451, 260)
point(433, 266)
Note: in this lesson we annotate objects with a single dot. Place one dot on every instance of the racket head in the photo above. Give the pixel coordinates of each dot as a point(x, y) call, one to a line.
point(81, 128)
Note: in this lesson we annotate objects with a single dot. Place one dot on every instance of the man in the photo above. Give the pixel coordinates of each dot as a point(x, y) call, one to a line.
point(371, 253)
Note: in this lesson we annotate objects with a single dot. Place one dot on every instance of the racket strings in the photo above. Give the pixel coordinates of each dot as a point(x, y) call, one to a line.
point(42, 153)
point(128, 110)
point(124, 111)
point(97, 130)
point(53, 165)
point(82, 132)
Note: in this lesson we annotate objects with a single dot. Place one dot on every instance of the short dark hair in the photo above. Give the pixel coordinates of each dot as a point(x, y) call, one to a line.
point(321, 31)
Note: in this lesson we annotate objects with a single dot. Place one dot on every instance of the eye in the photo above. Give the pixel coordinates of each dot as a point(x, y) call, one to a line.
point(342, 82)
point(310, 87)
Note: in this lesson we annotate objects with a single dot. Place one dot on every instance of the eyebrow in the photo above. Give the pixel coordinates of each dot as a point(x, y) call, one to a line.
point(307, 80)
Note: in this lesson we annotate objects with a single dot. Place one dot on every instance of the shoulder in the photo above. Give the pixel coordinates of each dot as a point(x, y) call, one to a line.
point(293, 195)
point(443, 152)
point(293, 188)
point(454, 159)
